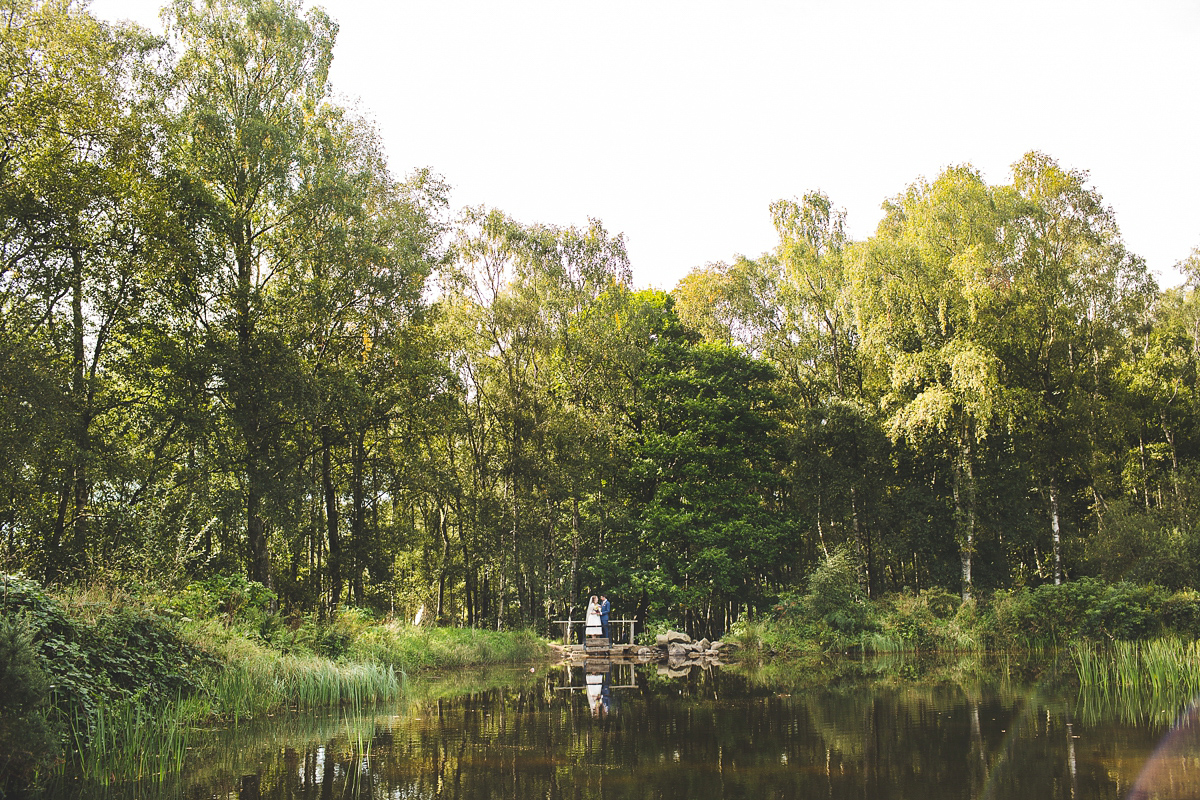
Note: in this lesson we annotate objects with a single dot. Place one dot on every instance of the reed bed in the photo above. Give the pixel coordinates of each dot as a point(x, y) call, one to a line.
point(259, 685)
point(408, 649)
point(126, 742)
point(1137, 681)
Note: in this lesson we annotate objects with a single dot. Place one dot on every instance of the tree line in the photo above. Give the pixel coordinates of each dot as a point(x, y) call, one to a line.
point(233, 341)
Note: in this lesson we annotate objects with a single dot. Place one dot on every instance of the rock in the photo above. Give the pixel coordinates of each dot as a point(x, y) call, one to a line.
point(712, 653)
point(676, 636)
point(673, 671)
point(678, 651)
point(704, 644)
point(661, 639)
point(646, 652)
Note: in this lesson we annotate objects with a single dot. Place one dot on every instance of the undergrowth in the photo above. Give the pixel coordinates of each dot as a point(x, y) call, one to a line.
point(834, 615)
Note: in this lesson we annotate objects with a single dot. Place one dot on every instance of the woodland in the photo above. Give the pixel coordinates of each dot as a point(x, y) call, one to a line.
point(233, 342)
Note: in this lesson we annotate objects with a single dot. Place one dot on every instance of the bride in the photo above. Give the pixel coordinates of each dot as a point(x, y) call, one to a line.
point(592, 620)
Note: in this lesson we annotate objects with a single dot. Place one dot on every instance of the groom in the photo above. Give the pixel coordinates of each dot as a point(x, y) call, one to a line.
point(605, 608)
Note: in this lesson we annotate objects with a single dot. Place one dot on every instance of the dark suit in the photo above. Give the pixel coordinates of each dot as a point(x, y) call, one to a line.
point(605, 608)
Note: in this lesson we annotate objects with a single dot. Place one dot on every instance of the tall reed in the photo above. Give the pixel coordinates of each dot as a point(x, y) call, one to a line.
point(409, 650)
point(125, 742)
point(1136, 681)
point(271, 681)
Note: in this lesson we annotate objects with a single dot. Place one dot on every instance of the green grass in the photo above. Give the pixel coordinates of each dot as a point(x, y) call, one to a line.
point(1137, 681)
point(124, 743)
point(409, 650)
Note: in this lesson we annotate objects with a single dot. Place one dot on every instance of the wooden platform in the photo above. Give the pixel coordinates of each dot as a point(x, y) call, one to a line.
point(597, 647)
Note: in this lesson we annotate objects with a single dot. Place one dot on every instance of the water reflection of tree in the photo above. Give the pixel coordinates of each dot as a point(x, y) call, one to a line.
point(961, 734)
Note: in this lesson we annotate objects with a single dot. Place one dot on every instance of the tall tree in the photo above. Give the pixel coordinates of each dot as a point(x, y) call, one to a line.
point(1072, 297)
point(923, 289)
point(78, 185)
point(252, 78)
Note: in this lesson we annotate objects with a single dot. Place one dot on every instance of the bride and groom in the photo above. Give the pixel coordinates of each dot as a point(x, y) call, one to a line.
point(596, 620)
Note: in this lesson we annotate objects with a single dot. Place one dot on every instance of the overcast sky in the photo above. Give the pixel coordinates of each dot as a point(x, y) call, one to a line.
point(677, 123)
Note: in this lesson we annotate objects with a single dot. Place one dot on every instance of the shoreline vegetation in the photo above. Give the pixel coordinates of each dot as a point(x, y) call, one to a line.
point(833, 614)
point(108, 684)
point(112, 685)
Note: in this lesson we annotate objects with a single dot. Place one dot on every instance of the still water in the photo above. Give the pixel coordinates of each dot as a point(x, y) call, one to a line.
point(814, 731)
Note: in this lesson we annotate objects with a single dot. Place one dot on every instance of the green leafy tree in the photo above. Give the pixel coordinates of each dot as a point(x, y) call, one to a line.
point(251, 78)
point(923, 290)
point(79, 199)
point(704, 481)
point(1073, 295)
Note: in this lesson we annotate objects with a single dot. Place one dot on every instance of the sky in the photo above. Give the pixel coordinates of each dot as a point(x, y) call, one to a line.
point(678, 123)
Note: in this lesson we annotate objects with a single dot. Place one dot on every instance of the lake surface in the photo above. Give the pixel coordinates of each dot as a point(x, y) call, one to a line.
point(844, 730)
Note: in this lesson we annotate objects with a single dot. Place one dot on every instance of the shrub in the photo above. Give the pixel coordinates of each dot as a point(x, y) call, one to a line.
point(941, 603)
point(1048, 614)
point(1181, 613)
point(1089, 609)
point(126, 651)
point(1125, 612)
point(834, 596)
point(233, 597)
point(912, 621)
point(28, 741)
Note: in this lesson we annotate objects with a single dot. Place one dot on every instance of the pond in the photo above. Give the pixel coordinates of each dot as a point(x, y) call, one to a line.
point(892, 729)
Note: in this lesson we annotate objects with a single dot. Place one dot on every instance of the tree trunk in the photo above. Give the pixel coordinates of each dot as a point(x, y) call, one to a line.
point(1170, 437)
point(358, 520)
point(964, 509)
point(331, 520)
point(862, 544)
point(83, 410)
point(441, 593)
point(573, 584)
point(260, 560)
point(1056, 538)
point(1145, 471)
point(247, 400)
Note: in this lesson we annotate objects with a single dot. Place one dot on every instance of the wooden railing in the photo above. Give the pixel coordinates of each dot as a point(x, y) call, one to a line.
point(570, 623)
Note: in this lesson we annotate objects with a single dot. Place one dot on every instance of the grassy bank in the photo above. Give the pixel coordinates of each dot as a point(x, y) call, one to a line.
point(108, 682)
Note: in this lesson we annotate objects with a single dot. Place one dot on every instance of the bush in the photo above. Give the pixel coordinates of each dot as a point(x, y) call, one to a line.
point(941, 603)
point(28, 740)
point(1089, 609)
point(913, 622)
point(1048, 614)
point(1181, 613)
point(834, 596)
point(125, 652)
point(1125, 612)
point(232, 597)
point(1144, 546)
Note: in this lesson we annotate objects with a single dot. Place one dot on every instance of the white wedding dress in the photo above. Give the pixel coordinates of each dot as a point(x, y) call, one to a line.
point(592, 621)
